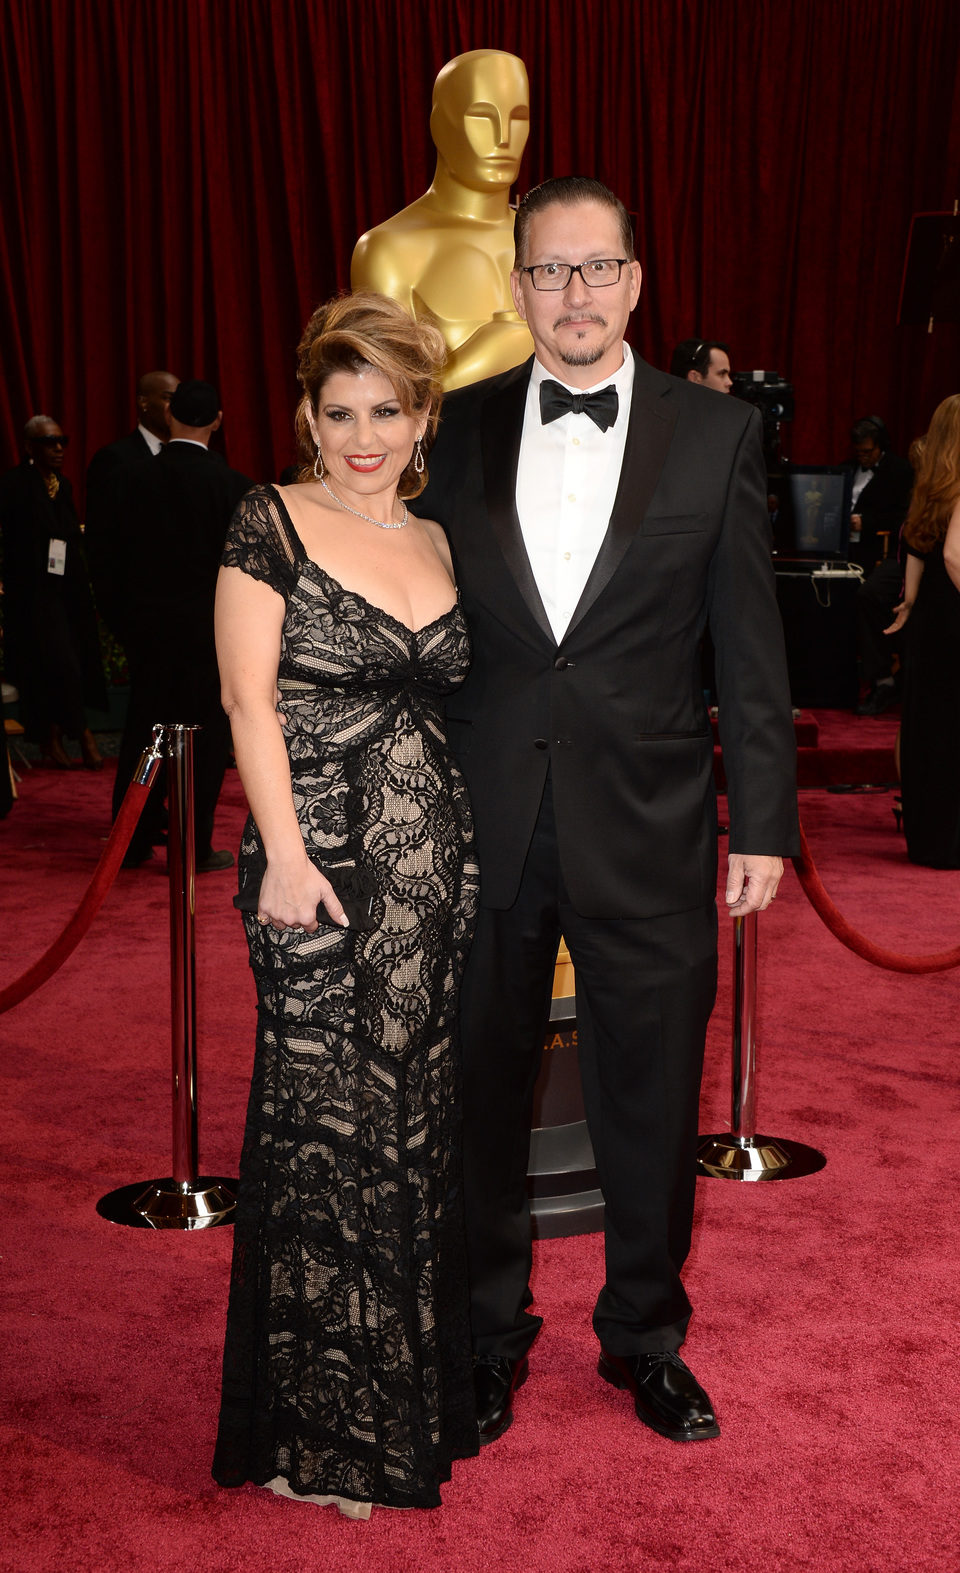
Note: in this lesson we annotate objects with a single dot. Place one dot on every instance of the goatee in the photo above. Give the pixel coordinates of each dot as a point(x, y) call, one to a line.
point(584, 357)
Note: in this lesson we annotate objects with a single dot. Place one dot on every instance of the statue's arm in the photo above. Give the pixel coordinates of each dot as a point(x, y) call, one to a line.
point(379, 263)
point(494, 347)
point(384, 263)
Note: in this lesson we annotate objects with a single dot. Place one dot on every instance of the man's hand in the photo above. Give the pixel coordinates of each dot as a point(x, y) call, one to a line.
point(751, 882)
point(902, 612)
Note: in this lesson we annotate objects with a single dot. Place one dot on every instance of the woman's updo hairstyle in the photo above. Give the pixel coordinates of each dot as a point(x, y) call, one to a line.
point(355, 332)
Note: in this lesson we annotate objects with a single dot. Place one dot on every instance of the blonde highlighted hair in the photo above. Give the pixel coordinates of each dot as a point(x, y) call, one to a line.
point(936, 486)
point(353, 332)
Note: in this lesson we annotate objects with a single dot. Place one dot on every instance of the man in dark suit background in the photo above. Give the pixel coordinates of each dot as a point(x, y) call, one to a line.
point(600, 514)
point(109, 524)
point(184, 503)
point(882, 483)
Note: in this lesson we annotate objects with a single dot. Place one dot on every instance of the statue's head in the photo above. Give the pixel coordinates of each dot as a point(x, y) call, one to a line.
point(480, 118)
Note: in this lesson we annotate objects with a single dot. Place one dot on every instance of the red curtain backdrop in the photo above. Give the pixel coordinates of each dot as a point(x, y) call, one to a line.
point(182, 182)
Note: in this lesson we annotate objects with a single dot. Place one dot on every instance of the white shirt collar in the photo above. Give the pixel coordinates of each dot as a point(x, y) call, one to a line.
point(152, 442)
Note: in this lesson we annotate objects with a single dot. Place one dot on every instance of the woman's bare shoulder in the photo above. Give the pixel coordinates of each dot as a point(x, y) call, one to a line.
point(438, 540)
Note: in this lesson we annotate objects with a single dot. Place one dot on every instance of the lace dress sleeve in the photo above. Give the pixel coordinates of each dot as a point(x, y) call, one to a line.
point(260, 541)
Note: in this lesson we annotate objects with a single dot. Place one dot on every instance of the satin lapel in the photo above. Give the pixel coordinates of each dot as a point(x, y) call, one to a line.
point(501, 427)
point(653, 416)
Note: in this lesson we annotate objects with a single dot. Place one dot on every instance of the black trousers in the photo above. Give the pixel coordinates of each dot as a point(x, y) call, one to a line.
point(645, 990)
point(876, 598)
point(171, 688)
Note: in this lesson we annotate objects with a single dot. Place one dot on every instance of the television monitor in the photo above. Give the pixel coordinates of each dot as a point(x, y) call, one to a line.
point(818, 511)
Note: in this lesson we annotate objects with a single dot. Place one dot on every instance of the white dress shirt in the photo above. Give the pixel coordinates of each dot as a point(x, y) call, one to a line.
point(152, 442)
point(861, 480)
point(567, 479)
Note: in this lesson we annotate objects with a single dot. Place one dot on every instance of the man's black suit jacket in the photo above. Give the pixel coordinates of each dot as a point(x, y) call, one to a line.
point(185, 502)
point(616, 709)
point(110, 521)
point(882, 505)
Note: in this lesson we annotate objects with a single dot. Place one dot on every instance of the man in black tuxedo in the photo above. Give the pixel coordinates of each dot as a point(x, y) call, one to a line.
point(600, 514)
point(184, 504)
point(882, 483)
point(109, 524)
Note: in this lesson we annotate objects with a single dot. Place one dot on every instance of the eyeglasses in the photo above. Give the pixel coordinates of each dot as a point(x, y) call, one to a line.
point(60, 441)
point(599, 273)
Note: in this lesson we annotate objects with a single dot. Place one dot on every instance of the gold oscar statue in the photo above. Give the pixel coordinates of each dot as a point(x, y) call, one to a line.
point(447, 257)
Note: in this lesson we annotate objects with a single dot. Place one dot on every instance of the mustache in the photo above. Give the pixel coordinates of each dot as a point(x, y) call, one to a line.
point(580, 316)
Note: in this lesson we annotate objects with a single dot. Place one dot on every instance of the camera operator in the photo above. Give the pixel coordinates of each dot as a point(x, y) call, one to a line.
point(882, 482)
point(706, 361)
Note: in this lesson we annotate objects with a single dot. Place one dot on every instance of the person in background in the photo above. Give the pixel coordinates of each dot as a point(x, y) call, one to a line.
point(183, 499)
point(51, 642)
point(930, 616)
point(880, 497)
point(705, 361)
point(110, 511)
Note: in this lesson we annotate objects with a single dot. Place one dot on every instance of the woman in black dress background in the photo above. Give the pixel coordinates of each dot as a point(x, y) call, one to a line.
point(930, 738)
point(347, 1370)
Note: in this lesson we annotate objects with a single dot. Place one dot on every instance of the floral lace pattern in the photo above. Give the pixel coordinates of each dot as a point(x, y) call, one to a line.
point(347, 1358)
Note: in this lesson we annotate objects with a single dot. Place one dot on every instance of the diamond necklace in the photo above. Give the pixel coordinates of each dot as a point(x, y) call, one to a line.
point(393, 525)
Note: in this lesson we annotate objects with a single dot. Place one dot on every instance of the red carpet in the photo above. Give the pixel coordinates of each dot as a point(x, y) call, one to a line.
point(834, 747)
point(826, 1307)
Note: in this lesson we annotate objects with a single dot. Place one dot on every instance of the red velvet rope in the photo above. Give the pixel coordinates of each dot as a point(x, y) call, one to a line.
point(104, 876)
point(892, 960)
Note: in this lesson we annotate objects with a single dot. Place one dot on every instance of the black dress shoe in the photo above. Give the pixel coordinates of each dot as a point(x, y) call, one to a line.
point(214, 862)
point(495, 1380)
point(666, 1394)
point(135, 856)
point(878, 700)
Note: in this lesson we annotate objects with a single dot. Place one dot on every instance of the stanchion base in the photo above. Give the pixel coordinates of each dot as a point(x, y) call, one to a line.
point(728, 1157)
point(166, 1204)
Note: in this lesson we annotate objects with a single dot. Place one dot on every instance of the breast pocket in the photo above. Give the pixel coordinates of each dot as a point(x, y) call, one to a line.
point(675, 524)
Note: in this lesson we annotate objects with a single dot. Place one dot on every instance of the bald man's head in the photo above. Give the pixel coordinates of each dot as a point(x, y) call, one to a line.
point(154, 391)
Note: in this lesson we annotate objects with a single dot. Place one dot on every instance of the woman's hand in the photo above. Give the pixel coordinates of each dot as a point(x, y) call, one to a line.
point(901, 613)
point(290, 895)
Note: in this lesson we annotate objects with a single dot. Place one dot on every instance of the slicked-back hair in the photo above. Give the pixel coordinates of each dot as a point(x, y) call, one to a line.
point(694, 355)
point(358, 332)
point(567, 191)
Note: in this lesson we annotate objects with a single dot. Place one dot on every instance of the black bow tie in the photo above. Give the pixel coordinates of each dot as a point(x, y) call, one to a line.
point(556, 400)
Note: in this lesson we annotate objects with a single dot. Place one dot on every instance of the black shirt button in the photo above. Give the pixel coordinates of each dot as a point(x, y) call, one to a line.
point(540, 742)
point(560, 664)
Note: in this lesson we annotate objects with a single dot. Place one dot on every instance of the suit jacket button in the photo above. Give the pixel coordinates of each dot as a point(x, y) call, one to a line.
point(560, 664)
point(540, 742)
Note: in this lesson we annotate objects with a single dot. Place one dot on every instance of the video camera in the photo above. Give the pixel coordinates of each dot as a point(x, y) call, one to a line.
point(767, 390)
point(773, 397)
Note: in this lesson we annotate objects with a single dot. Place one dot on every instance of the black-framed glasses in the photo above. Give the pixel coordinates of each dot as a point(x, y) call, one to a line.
point(60, 441)
point(598, 273)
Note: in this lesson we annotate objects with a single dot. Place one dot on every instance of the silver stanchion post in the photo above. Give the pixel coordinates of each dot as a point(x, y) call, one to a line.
point(740, 1154)
point(185, 1200)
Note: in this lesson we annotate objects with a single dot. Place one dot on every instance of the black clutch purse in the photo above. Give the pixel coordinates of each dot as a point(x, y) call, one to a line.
point(355, 889)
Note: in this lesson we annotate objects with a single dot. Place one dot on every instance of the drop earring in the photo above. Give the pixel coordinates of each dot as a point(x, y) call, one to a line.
point(418, 464)
point(319, 474)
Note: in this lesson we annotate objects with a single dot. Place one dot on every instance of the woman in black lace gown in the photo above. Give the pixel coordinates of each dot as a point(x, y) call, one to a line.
point(347, 1374)
point(930, 737)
